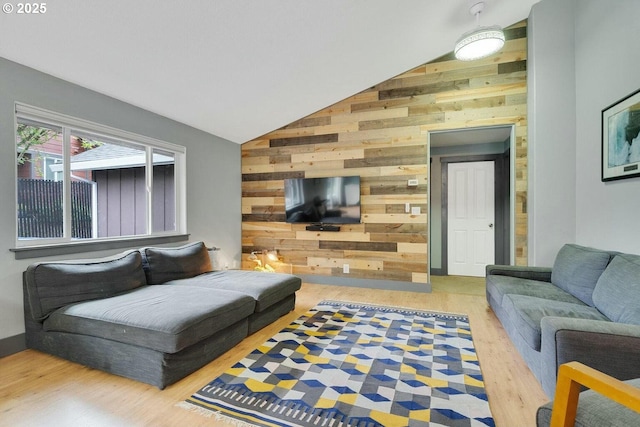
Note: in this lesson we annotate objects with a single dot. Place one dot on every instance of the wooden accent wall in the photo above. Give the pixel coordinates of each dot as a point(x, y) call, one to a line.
point(381, 134)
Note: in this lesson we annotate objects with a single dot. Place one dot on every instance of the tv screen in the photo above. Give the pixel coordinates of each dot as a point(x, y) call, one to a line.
point(332, 200)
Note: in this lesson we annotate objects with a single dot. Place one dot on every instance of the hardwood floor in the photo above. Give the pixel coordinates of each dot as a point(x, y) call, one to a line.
point(458, 285)
point(41, 390)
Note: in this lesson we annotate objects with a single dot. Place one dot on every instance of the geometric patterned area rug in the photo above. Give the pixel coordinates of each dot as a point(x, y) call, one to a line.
point(348, 364)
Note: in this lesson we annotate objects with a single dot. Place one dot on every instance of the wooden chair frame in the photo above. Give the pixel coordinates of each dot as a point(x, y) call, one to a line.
point(573, 375)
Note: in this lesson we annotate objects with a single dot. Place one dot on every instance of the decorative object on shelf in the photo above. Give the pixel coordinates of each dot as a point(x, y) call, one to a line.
point(261, 262)
point(621, 138)
point(480, 42)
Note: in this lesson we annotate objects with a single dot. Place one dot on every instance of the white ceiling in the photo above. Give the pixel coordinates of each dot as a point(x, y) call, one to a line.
point(239, 68)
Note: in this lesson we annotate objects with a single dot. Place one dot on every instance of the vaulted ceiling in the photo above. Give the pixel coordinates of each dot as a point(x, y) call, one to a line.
point(239, 68)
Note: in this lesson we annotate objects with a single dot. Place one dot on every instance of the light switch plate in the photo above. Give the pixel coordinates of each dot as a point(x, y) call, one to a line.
point(415, 210)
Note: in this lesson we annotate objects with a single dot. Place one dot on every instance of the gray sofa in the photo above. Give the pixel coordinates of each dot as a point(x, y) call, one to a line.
point(153, 315)
point(585, 308)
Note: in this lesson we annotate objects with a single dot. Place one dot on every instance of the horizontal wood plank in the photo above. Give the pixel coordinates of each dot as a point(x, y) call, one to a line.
point(303, 140)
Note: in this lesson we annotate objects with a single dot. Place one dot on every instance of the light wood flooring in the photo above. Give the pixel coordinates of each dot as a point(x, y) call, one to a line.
point(458, 285)
point(41, 390)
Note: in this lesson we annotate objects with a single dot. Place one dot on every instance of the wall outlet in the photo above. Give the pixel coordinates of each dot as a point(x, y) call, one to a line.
point(412, 183)
point(345, 268)
point(415, 210)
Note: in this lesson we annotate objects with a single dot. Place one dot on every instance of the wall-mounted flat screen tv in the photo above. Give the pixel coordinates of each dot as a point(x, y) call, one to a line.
point(330, 200)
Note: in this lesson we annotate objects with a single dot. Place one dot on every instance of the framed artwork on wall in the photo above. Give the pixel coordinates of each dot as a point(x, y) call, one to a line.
point(621, 138)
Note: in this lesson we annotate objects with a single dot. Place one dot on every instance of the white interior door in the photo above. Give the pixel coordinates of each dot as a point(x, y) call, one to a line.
point(470, 218)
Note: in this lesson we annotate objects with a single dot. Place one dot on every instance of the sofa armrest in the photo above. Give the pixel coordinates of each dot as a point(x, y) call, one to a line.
point(612, 348)
point(542, 274)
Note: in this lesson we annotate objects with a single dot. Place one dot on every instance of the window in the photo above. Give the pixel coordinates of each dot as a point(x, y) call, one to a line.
point(79, 181)
point(51, 172)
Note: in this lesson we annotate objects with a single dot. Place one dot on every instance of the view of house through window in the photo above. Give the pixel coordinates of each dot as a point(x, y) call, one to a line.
point(77, 185)
point(164, 213)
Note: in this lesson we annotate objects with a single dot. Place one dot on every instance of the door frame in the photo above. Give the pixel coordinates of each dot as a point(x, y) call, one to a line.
point(502, 218)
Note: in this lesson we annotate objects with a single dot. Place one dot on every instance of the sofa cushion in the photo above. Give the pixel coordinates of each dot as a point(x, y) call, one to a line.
point(617, 293)
point(163, 318)
point(499, 286)
point(526, 313)
point(165, 264)
point(577, 268)
point(51, 285)
point(266, 288)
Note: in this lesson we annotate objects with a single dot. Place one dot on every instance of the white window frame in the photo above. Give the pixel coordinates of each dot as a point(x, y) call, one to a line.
point(72, 125)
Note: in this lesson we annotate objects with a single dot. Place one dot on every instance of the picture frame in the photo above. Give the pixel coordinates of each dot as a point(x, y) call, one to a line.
point(621, 138)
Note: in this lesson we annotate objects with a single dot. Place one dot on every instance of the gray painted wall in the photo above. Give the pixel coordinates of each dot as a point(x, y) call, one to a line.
point(607, 69)
point(552, 126)
point(583, 56)
point(213, 174)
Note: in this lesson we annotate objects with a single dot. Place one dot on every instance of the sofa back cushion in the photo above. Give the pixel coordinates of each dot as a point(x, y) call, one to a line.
point(164, 264)
point(577, 270)
point(617, 294)
point(51, 285)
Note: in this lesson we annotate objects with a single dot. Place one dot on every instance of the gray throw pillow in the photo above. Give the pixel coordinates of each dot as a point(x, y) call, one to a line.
point(164, 264)
point(577, 270)
point(617, 294)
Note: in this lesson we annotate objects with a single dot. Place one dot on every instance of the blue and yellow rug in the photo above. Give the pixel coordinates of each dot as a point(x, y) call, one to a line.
point(344, 364)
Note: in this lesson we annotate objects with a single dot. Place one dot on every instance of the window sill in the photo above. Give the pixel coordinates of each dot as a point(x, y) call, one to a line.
point(84, 247)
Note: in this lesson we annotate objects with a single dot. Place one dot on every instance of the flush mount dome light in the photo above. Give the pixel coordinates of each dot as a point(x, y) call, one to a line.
point(481, 42)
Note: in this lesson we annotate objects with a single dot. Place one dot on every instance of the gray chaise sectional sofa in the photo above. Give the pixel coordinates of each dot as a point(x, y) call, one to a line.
point(154, 315)
point(586, 308)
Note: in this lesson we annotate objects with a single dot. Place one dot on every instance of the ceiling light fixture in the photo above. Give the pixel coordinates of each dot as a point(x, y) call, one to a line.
point(482, 41)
